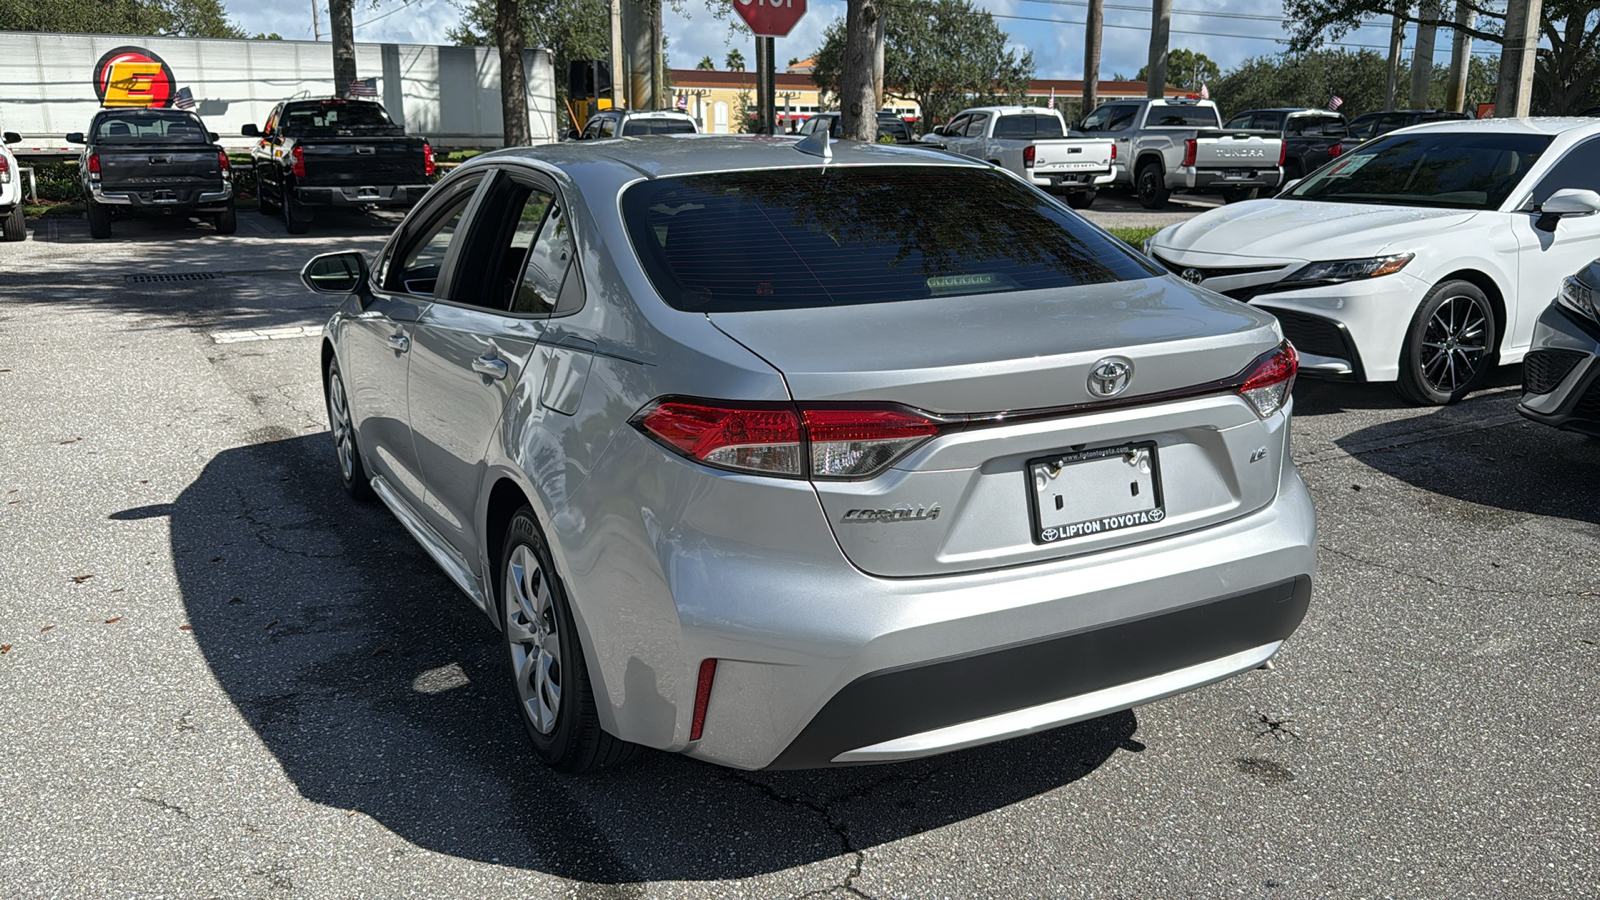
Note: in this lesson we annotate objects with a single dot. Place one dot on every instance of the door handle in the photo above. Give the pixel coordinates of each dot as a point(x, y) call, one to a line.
point(490, 366)
point(399, 343)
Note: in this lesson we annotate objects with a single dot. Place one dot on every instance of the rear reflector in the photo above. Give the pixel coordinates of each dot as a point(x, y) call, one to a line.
point(1269, 380)
point(702, 697)
point(834, 441)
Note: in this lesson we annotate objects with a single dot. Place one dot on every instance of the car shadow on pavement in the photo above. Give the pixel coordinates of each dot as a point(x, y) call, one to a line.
point(378, 688)
point(1321, 397)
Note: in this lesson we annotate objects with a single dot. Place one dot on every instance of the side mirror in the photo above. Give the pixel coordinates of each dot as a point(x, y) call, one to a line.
point(249, 131)
point(1290, 186)
point(13, 138)
point(1566, 202)
point(76, 138)
point(211, 136)
point(344, 272)
point(574, 135)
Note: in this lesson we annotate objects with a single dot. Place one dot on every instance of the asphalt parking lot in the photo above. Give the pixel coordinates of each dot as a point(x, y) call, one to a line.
point(222, 679)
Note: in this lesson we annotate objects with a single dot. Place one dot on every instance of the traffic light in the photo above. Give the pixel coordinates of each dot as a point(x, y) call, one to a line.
point(588, 78)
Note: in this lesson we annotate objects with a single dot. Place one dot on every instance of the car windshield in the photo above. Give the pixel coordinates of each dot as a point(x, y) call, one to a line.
point(662, 125)
point(1182, 116)
point(1441, 169)
point(812, 237)
point(331, 118)
point(146, 126)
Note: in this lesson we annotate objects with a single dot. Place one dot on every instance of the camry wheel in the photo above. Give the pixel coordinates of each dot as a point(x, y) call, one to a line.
point(1152, 187)
point(1449, 347)
point(351, 471)
point(549, 680)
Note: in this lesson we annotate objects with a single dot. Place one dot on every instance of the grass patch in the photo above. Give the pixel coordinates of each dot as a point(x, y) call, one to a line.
point(1134, 236)
point(49, 210)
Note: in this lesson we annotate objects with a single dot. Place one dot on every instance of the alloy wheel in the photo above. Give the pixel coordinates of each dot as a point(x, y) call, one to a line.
point(343, 433)
point(1455, 344)
point(534, 639)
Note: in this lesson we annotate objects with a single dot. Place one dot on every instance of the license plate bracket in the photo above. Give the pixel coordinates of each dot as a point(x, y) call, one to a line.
point(1075, 494)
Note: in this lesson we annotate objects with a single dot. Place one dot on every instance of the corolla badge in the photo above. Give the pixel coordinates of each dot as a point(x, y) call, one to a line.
point(903, 513)
point(1192, 275)
point(1110, 376)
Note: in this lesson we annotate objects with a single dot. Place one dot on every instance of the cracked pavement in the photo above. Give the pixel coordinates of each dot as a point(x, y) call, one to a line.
point(262, 690)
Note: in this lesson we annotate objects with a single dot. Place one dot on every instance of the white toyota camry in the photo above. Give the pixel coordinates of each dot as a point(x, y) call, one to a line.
point(1422, 258)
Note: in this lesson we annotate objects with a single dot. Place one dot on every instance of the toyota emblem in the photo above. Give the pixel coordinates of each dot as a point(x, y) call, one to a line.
point(1110, 376)
point(1191, 275)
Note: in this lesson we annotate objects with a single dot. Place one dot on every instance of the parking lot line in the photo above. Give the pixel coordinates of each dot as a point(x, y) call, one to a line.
point(265, 334)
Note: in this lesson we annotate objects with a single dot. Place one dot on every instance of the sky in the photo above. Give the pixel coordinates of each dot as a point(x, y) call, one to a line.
point(1227, 31)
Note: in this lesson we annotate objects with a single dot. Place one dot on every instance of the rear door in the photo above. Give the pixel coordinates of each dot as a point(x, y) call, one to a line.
point(478, 343)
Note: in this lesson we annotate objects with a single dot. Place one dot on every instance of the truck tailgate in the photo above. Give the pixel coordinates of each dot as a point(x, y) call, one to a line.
point(1072, 155)
point(356, 162)
point(159, 168)
point(1237, 150)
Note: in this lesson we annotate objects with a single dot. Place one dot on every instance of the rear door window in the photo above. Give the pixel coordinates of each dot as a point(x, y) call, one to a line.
point(976, 127)
point(797, 238)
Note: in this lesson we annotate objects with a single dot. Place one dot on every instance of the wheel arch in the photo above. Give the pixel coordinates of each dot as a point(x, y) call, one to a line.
point(505, 498)
point(1149, 157)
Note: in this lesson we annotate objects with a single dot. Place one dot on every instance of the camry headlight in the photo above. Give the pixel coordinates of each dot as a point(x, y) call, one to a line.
point(1578, 297)
point(1337, 270)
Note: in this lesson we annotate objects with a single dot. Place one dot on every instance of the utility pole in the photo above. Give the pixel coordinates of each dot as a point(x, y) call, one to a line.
point(316, 25)
point(619, 61)
point(637, 43)
point(1422, 54)
point(1160, 35)
point(1455, 93)
point(1516, 61)
point(342, 29)
point(1397, 39)
point(1091, 55)
point(658, 81)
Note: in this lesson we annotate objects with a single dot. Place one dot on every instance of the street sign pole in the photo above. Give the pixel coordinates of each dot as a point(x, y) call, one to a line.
point(763, 100)
point(769, 83)
point(768, 19)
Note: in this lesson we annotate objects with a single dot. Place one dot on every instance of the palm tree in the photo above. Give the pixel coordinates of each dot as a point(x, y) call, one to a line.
point(735, 61)
point(705, 64)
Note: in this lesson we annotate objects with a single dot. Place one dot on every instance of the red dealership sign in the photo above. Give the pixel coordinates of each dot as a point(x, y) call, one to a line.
point(770, 18)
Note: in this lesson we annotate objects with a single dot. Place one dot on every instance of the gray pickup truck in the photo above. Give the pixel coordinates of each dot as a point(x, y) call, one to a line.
point(153, 161)
point(1179, 144)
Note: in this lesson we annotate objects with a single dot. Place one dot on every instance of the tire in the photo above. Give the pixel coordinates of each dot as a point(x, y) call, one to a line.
point(227, 221)
point(1081, 199)
point(1291, 172)
point(296, 218)
point(1449, 346)
point(1151, 186)
point(548, 677)
point(15, 227)
point(265, 206)
point(352, 472)
point(99, 220)
point(1236, 195)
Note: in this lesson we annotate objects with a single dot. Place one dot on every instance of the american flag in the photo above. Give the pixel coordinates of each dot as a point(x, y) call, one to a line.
point(364, 87)
point(1205, 93)
point(184, 99)
point(1052, 103)
point(1335, 101)
point(683, 101)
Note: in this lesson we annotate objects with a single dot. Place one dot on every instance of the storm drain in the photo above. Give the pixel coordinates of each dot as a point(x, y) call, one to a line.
point(170, 277)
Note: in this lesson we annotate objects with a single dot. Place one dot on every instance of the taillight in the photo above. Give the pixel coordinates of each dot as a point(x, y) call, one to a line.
point(429, 168)
point(1283, 152)
point(299, 167)
point(1028, 154)
point(1113, 151)
point(5, 170)
point(1190, 148)
point(224, 164)
point(94, 164)
point(1270, 378)
point(781, 439)
point(1335, 150)
point(702, 697)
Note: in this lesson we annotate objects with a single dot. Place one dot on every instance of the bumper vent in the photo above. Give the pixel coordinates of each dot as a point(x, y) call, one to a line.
point(1588, 407)
point(1544, 370)
point(1310, 334)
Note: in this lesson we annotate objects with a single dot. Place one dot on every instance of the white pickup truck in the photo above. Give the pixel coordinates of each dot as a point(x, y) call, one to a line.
point(12, 225)
point(1032, 142)
point(1180, 144)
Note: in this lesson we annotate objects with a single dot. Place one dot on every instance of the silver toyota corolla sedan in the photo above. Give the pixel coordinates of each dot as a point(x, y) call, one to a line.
point(782, 454)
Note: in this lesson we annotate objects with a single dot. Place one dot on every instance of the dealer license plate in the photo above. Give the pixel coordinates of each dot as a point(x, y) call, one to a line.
point(1237, 174)
point(1088, 492)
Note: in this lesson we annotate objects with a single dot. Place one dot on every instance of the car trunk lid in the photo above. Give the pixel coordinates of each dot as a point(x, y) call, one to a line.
point(182, 170)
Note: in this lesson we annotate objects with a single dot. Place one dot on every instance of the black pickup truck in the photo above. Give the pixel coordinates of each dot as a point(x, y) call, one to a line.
point(153, 161)
point(333, 152)
point(1311, 137)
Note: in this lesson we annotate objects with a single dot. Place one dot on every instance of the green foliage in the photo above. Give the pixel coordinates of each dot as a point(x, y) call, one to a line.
point(572, 29)
point(1134, 237)
point(188, 18)
point(705, 64)
point(1186, 69)
point(734, 61)
point(1359, 77)
point(943, 54)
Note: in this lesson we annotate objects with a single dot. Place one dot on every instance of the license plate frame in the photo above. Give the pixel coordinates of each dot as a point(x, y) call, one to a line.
point(1105, 523)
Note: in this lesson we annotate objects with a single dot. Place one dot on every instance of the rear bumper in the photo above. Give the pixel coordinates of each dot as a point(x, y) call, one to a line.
point(1561, 387)
point(1067, 181)
point(1191, 178)
point(164, 199)
point(361, 195)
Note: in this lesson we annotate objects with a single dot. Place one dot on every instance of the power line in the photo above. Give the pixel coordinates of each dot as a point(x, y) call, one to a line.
point(387, 14)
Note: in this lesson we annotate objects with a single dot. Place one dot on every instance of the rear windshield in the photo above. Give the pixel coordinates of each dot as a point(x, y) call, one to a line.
point(797, 238)
point(146, 126)
point(636, 127)
point(1032, 125)
point(1439, 169)
point(1182, 116)
point(332, 118)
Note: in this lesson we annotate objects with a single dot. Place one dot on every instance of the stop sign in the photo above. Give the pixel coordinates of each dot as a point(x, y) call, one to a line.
point(770, 18)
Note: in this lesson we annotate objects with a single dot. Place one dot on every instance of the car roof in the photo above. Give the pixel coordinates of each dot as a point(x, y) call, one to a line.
point(649, 113)
point(1546, 126)
point(665, 156)
point(1011, 110)
point(1292, 110)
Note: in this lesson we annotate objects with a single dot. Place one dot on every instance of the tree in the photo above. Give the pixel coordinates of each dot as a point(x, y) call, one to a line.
point(735, 61)
point(1564, 74)
point(1186, 69)
point(942, 54)
point(1311, 79)
point(509, 40)
point(705, 64)
point(858, 91)
point(187, 18)
point(572, 29)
